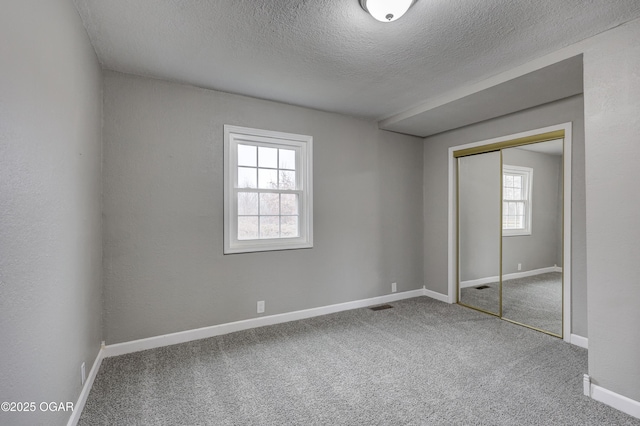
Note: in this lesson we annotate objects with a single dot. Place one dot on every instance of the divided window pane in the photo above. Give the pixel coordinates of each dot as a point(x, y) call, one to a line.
point(268, 215)
point(247, 177)
point(248, 228)
point(247, 155)
point(513, 215)
point(517, 181)
point(269, 204)
point(267, 179)
point(268, 157)
point(287, 179)
point(289, 204)
point(508, 193)
point(517, 194)
point(247, 203)
point(287, 159)
point(289, 226)
point(264, 215)
point(269, 227)
point(276, 168)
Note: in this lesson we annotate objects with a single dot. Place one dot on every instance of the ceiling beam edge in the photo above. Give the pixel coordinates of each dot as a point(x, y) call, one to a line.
point(454, 95)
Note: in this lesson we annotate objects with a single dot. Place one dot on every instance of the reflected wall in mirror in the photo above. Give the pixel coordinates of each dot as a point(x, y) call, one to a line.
point(479, 224)
point(532, 235)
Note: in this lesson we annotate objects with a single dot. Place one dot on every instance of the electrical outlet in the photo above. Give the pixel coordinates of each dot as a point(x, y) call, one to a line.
point(261, 306)
point(394, 287)
point(83, 375)
point(519, 266)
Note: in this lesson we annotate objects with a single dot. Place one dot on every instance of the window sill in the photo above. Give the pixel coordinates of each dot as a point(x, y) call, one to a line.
point(515, 233)
point(251, 248)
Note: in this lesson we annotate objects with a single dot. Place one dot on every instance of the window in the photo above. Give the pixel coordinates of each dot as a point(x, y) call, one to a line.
point(516, 200)
point(268, 190)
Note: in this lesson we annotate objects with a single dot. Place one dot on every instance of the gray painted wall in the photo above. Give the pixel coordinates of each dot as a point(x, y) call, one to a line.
point(50, 208)
point(164, 269)
point(540, 249)
point(612, 108)
point(436, 192)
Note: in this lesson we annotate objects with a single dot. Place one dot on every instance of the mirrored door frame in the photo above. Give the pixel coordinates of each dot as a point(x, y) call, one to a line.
point(561, 131)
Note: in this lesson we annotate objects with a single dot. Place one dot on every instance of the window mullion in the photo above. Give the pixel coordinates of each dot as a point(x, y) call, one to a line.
point(269, 190)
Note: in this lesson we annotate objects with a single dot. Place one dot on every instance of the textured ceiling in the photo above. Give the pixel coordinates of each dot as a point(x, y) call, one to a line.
point(557, 81)
point(330, 54)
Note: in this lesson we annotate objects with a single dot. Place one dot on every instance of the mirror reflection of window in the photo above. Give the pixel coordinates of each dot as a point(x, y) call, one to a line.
point(516, 200)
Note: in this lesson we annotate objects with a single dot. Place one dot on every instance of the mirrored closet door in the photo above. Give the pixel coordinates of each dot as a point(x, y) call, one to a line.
point(510, 231)
point(479, 229)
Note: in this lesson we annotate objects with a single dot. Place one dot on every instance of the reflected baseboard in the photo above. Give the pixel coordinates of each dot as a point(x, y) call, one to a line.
point(512, 276)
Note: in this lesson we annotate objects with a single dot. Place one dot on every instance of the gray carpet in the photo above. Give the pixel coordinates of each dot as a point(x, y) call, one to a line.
point(535, 300)
point(423, 362)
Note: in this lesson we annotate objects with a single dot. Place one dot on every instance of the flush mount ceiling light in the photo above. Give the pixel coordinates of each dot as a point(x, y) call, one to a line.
point(386, 10)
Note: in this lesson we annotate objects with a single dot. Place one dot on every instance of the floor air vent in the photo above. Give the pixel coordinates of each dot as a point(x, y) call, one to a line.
point(482, 287)
point(381, 307)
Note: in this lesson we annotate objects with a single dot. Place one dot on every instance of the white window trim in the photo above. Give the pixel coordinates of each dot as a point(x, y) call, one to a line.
point(527, 172)
point(304, 178)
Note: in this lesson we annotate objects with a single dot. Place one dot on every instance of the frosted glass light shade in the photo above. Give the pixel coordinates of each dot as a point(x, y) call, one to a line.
point(386, 10)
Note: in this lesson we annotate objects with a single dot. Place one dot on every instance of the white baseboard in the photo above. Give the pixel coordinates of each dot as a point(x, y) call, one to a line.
point(435, 295)
point(479, 281)
point(583, 342)
point(516, 275)
point(217, 330)
point(612, 399)
point(84, 394)
point(512, 276)
point(586, 385)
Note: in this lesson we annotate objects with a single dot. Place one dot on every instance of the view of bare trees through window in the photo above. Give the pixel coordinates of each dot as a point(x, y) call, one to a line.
point(268, 207)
